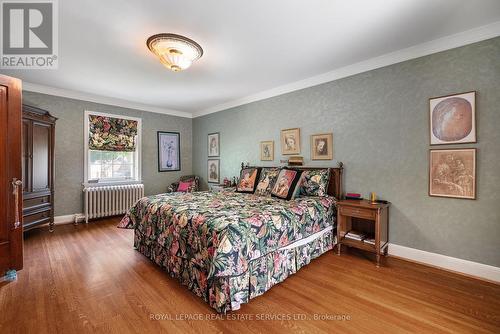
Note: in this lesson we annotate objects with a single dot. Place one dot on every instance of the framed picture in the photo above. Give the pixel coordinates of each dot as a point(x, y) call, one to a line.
point(213, 166)
point(452, 173)
point(322, 146)
point(213, 144)
point(169, 151)
point(267, 150)
point(290, 141)
point(453, 119)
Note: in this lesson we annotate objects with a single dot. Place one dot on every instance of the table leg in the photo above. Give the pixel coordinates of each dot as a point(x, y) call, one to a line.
point(378, 260)
point(338, 249)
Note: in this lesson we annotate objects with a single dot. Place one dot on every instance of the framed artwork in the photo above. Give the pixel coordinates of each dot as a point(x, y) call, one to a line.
point(213, 166)
point(169, 152)
point(452, 173)
point(322, 146)
point(453, 119)
point(290, 141)
point(267, 150)
point(213, 144)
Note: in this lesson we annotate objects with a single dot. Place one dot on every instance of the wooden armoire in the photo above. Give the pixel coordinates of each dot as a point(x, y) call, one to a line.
point(38, 167)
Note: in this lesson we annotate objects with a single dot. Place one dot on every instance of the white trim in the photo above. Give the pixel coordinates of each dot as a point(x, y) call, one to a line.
point(308, 239)
point(447, 262)
point(59, 220)
point(43, 89)
point(445, 43)
point(138, 157)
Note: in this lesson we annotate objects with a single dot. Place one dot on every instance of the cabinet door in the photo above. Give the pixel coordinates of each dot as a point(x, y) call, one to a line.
point(26, 155)
point(41, 137)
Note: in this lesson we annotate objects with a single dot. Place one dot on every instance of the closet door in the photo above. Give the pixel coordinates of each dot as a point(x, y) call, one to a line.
point(41, 138)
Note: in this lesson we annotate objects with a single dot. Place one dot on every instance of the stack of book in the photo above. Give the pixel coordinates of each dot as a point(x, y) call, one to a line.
point(369, 241)
point(353, 235)
point(353, 196)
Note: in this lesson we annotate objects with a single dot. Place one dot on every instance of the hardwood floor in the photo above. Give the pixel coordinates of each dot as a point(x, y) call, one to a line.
point(88, 278)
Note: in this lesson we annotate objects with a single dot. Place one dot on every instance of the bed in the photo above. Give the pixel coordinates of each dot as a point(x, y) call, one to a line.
point(230, 247)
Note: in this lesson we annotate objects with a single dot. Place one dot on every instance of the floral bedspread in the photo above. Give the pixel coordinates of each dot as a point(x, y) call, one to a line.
point(221, 232)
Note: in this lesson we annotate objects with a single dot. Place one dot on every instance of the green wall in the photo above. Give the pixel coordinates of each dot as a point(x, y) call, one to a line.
point(69, 147)
point(379, 121)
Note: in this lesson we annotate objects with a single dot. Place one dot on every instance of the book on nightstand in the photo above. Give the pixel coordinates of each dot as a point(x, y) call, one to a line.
point(370, 241)
point(353, 235)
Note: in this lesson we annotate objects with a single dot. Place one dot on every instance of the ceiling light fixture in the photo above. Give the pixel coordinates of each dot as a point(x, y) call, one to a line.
point(176, 52)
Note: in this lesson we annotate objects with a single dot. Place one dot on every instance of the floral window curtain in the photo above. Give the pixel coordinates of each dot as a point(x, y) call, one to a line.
point(112, 134)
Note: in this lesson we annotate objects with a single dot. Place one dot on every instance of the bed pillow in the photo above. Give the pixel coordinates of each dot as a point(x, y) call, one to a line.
point(285, 184)
point(184, 186)
point(314, 182)
point(267, 180)
point(248, 180)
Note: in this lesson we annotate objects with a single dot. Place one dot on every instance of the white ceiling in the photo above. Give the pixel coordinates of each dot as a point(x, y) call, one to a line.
point(249, 46)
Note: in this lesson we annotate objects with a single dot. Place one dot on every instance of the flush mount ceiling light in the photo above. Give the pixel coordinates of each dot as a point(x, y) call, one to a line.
point(176, 52)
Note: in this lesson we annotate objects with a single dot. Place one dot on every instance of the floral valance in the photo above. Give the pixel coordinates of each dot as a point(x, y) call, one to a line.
point(112, 134)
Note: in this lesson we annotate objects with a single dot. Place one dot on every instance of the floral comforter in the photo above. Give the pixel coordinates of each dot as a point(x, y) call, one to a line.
point(220, 233)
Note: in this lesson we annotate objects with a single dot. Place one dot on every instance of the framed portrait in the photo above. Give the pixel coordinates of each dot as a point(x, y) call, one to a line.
point(322, 146)
point(213, 144)
point(267, 150)
point(169, 151)
point(213, 166)
point(453, 119)
point(452, 173)
point(290, 141)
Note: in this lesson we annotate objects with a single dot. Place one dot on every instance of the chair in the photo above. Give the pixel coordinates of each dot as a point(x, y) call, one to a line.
point(187, 178)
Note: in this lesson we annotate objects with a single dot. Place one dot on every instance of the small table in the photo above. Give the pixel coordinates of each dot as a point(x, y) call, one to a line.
point(219, 187)
point(366, 217)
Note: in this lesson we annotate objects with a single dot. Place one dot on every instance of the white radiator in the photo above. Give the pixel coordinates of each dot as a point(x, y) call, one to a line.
point(104, 201)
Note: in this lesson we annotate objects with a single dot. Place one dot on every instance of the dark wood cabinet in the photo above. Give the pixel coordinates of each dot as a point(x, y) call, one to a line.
point(38, 167)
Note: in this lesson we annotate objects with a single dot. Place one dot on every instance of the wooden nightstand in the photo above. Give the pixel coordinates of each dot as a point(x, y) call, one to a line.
point(367, 218)
point(219, 187)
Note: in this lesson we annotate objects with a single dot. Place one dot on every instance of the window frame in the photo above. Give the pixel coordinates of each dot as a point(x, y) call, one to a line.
point(138, 151)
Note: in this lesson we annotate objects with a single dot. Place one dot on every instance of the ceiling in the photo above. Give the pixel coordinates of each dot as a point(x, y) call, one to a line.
point(249, 46)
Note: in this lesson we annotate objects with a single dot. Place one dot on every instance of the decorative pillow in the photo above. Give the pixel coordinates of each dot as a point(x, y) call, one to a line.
point(267, 180)
point(248, 180)
point(184, 186)
point(315, 182)
point(285, 184)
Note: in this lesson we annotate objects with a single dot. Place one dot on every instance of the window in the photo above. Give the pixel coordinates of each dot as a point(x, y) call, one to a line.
point(112, 148)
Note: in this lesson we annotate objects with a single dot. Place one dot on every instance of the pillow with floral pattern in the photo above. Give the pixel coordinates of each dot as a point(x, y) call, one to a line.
point(268, 176)
point(314, 182)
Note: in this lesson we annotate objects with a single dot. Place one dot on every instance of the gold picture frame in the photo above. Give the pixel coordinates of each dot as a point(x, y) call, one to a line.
point(267, 150)
point(452, 173)
point(322, 146)
point(290, 141)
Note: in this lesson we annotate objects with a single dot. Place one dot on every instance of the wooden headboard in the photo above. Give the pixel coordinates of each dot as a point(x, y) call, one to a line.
point(334, 187)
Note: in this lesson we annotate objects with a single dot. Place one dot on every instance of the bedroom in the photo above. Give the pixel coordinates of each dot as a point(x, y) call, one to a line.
point(184, 166)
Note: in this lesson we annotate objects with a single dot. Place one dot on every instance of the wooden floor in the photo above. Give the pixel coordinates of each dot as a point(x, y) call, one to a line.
point(88, 278)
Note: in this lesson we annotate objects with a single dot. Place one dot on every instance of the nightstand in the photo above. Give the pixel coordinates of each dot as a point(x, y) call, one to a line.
point(219, 187)
point(365, 218)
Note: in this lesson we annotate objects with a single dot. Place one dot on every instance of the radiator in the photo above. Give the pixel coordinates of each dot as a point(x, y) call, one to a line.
point(104, 201)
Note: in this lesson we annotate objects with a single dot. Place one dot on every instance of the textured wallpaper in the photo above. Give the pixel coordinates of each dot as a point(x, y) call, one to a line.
point(380, 126)
point(69, 147)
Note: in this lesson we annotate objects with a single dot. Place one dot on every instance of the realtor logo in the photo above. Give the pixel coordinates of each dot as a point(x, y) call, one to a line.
point(29, 34)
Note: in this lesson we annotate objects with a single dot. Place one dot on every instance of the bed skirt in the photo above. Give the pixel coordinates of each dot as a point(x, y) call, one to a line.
point(228, 293)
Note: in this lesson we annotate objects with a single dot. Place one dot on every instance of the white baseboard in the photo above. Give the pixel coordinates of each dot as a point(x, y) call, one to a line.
point(471, 268)
point(59, 220)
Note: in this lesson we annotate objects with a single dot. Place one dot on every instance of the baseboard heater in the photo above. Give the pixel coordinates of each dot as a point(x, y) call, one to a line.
point(105, 201)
